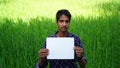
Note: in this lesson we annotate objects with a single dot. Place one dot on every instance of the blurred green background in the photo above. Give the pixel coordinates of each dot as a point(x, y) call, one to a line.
point(25, 24)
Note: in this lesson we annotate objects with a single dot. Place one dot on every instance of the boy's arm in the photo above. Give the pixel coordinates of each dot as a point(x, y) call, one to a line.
point(43, 60)
point(82, 62)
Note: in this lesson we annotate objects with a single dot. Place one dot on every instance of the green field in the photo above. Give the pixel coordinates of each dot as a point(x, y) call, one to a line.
point(25, 24)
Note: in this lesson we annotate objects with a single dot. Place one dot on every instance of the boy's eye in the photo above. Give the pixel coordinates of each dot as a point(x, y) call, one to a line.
point(61, 20)
point(67, 21)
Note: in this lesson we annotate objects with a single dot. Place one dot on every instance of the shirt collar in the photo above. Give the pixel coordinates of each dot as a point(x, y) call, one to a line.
point(69, 34)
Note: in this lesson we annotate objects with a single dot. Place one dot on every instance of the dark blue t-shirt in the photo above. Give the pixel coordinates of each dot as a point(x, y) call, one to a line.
point(65, 63)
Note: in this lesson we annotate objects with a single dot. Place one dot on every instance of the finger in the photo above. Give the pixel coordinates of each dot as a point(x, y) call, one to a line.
point(77, 48)
point(77, 51)
point(43, 54)
point(79, 54)
point(43, 50)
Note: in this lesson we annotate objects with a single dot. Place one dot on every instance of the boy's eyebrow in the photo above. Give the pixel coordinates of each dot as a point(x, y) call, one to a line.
point(64, 20)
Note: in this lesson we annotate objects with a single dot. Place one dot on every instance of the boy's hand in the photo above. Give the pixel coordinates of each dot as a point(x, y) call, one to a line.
point(43, 52)
point(78, 51)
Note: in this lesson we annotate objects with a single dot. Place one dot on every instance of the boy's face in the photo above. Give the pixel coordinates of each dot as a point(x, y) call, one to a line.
point(63, 23)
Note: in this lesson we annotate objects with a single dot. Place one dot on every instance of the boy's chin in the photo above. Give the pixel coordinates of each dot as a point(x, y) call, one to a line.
point(64, 30)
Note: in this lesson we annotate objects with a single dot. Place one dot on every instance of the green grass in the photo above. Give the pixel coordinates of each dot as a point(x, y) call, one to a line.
point(24, 28)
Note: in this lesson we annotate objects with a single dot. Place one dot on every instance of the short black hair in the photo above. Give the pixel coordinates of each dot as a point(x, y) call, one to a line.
point(63, 12)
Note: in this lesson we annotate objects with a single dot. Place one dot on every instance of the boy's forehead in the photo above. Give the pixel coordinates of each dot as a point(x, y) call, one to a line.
point(64, 16)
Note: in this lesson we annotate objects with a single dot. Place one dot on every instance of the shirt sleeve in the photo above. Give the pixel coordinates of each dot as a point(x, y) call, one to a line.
point(37, 65)
point(78, 42)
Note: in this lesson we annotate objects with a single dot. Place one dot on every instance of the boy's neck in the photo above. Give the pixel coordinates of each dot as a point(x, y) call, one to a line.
point(62, 34)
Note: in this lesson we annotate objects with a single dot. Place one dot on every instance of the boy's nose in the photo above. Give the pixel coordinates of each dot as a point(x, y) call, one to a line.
point(64, 23)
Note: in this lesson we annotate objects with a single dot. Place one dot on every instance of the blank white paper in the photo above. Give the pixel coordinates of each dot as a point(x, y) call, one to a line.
point(60, 48)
